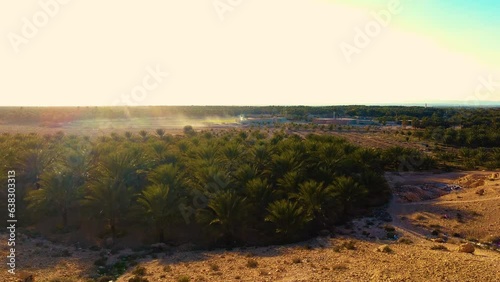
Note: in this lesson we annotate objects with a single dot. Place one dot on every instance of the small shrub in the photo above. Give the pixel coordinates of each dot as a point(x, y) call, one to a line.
point(60, 280)
point(472, 239)
point(491, 239)
point(296, 260)
point(405, 241)
point(349, 245)
point(385, 249)
point(389, 228)
point(337, 249)
point(139, 271)
point(439, 248)
point(183, 278)
point(138, 279)
point(340, 267)
point(307, 247)
point(421, 217)
point(251, 263)
point(214, 267)
point(167, 268)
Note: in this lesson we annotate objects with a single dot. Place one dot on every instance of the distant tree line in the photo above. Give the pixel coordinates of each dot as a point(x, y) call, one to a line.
point(423, 116)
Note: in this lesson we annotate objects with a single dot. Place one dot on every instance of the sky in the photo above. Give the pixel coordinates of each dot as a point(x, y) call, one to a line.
point(242, 52)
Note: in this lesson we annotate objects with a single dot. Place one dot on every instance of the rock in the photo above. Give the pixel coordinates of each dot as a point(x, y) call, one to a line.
point(29, 279)
point(480, 192)
point(438, 240)
point(384, 249)
point(466, 248)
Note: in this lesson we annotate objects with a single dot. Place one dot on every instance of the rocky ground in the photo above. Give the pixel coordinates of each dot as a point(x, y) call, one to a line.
point(413, 241)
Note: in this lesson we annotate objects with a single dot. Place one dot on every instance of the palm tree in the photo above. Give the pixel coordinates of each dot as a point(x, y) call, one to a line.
point(110, 190)
point(260, 194)
point(158, 152)
point(285, 162)
point(244, 173)
point(226, 211)
point(378, 190)
point(289, 218)
point(261, 156)
point(59, 191)
point(232, 153)
point(160, 203)
point(128, 135)
point(290, 181)
point(315, 198)
point(143, 134)
point(349, 192)
point(160, 132)
point(189, 131)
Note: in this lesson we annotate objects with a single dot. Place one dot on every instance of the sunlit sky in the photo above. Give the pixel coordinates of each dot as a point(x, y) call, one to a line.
point(228, 52)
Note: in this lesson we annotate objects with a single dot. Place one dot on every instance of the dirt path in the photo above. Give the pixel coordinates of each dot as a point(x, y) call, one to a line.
point(395, 209)
point(448, 202)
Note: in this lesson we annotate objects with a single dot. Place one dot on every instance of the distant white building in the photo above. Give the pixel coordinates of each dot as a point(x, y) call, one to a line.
point(262, 120)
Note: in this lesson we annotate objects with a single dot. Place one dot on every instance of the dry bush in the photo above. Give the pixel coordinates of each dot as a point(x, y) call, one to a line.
point(349, 245)
point(251, 263)
point(183, 278)
point(439, 248)
point(139, 271)
point(405, 241)
point(214, 267)
point(296, 260)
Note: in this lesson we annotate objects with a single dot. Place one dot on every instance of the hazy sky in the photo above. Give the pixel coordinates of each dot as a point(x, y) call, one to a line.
point(234, 52)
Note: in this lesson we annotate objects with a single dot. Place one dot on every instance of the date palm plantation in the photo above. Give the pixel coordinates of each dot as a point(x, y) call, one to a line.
point(223, 185)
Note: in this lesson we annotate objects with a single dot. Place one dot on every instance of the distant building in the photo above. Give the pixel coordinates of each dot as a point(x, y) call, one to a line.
point(262, 120)
point(336, 121)
point(343, 121)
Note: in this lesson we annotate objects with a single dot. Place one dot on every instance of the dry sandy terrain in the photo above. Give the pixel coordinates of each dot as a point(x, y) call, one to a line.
point(326, 258)
point(101, 127)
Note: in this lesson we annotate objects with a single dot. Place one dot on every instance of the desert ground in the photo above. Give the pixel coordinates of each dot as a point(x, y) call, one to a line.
point(417, 238)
